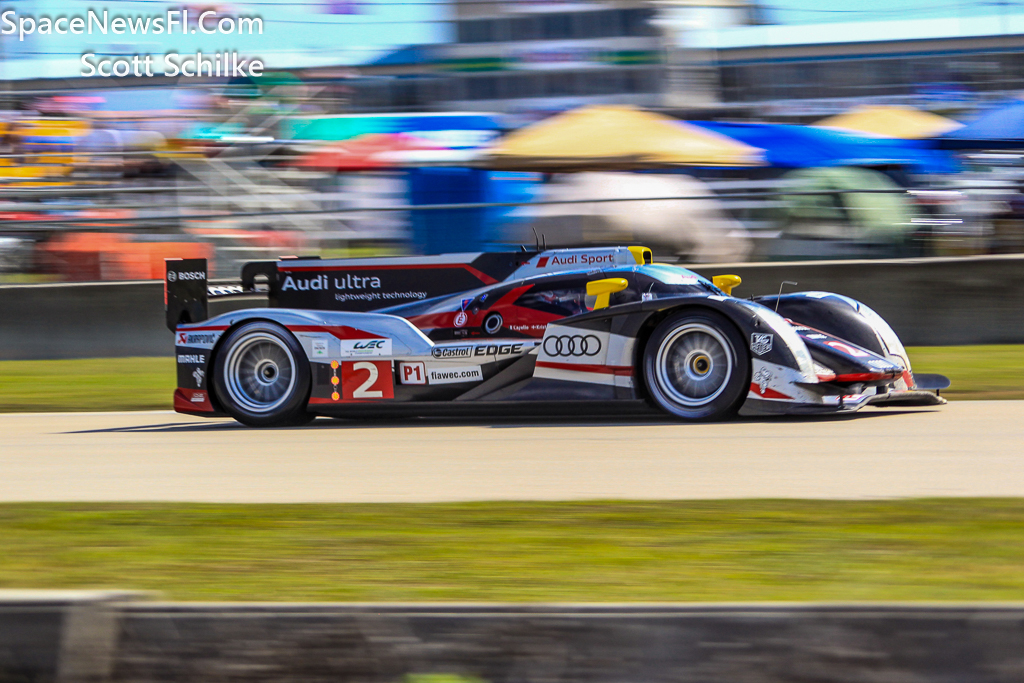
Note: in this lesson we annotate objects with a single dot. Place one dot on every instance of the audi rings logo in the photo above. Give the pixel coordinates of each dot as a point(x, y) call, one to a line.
point(572, 345)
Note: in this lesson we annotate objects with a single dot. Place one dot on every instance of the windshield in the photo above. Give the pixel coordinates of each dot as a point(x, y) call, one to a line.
point(677, 277)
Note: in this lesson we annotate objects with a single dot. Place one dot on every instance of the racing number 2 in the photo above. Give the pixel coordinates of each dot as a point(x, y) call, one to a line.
point(367, 380)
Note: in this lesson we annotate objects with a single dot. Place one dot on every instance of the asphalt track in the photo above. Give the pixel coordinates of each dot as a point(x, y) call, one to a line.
point(969, 448)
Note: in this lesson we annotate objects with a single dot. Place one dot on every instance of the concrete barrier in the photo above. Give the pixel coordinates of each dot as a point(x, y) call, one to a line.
point(934, 301)
point(59, 636)
point(89, 320)
point(500, 643)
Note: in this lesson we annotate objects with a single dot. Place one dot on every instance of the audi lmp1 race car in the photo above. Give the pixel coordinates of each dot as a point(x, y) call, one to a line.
point(527, 329)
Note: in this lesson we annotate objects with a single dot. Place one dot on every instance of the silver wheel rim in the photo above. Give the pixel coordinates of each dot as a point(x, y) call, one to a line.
point(260, 372)
point(694, 365)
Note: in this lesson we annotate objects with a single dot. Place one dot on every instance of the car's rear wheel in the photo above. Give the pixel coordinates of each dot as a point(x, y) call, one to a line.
point(261, 376)
point(696, 366)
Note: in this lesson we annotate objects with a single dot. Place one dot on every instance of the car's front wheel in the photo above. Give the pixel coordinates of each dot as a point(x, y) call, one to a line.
point(696, 366)
point(261, 376)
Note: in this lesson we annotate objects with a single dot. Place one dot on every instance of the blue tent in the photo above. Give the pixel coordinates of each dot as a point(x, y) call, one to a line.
point(789, 146)
point(999, 127)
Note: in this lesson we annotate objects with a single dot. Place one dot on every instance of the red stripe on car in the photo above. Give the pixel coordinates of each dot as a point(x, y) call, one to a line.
point(339, 331)
point(621, 370)
point(768, 393)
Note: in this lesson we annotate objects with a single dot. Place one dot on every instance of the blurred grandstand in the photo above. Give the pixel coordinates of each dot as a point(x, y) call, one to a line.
point(699, 127)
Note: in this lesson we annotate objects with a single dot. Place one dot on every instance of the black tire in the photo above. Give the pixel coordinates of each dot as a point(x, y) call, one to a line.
point(696, 366)
point(261, 376)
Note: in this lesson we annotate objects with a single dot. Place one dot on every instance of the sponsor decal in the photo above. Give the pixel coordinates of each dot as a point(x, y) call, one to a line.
point(761, 343)
point(817, 336)
point(320, 283)
point(461, 318)
point(646, 296)
point(576, 260)
point(879, 363)
point(198, 396)
point(412, 373)
point(198, 374)
point(451, 351)
point(510, 349)
point(762, 379)
point(462, 373)
point(191, 359)
point(575, 345)
point(378, 296)
point(466, 303)
point(365, 347)
point(195, 338)
point(500, 349)
point(319, 348)
point(173, 276)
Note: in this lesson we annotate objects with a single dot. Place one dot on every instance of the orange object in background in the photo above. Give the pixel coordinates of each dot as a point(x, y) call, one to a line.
point(87, 256)
point(364, 153)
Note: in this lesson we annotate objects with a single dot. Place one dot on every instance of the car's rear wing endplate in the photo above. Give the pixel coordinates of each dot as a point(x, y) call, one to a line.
point(185, 295)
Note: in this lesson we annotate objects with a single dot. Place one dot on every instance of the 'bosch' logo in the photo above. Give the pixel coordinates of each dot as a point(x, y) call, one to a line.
point(572, 345)
point(185, 275)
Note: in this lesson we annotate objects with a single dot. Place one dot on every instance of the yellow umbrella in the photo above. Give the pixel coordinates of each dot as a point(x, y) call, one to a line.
point(613, 137)
point(891, 122)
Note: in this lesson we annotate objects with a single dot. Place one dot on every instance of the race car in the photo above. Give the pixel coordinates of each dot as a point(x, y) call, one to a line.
point(525, 331)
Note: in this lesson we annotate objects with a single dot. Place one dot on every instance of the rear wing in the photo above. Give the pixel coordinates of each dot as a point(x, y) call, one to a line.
point(357, 285)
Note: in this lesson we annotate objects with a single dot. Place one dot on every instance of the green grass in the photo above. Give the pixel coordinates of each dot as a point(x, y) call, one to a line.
point(977, 372)
point(87, 385)
point(937, 549)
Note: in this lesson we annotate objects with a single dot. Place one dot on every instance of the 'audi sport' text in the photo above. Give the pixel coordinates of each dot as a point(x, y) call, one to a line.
point(576, 259)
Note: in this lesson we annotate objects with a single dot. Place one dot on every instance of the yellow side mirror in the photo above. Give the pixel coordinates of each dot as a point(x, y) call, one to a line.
point(641, 255)
point(727, 282)
point(603, 290)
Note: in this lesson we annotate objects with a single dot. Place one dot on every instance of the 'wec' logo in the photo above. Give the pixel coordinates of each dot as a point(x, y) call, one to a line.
point(365, 347)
